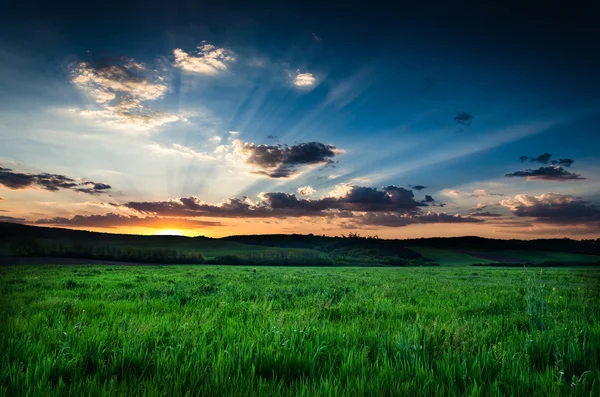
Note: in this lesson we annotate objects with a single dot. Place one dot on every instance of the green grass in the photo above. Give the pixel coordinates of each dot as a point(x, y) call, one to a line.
point(448, 257)
point(239, 331)
point(545, 256)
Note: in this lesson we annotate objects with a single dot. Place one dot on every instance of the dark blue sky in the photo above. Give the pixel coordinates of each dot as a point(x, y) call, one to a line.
point(145, 95)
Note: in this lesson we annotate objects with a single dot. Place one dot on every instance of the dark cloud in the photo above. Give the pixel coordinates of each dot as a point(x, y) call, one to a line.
point(272, 137)
point(484, 214)
point(464, 118)
point(417, 187)
point(277, 173)
point(281, 161)
point(543, 158)
point(563, 162)
point(276, 204)
point(389, 206)
point(113, 220)
point(52, 182)
point(11, 219)
point(549, 173)
point(397, 220)
point(553, 208)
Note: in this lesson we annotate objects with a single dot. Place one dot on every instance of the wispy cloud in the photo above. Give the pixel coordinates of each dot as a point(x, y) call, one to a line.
point(178, 150)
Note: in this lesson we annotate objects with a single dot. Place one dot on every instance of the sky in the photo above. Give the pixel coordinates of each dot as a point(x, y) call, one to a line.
point(223, 118)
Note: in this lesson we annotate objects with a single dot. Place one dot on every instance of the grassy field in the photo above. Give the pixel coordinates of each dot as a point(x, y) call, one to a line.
point(210, 330)
point(544, 256)
point(449, 257)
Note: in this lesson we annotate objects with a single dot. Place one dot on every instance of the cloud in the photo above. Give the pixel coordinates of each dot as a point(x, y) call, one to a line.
point(452, 193)
point(306, 191)
point(317, 38)
point(390, 199)
point(549, 173)
point(553, 208)
point(428, 199)
point(464, 118)
point(215, 139)
point(304, 80)
point(542, 158)
point(563, 162)
point(113, 220)
point(178, 150)
point(51, 182)
point(120, 89)
point(105, 82)
point(208, 59)
point(389, 206)
point(545, 159)
point(93, 188)
point(417, 187)
point(277, 161)
point(11, 219)
point(484, 193)
point(396, 220)
point(484, 214)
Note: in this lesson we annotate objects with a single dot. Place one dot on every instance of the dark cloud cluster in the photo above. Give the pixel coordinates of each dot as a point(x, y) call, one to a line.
point(113, 220)
point(545, 159)
point(277, 204)
point(11, 219)
point(417, 187)
point(542, 159)
point(549, 173)
point(563, 162)
point(390, 206)
point(554, 208)
point(281, 161)
point(51, 182)
point(552, 171)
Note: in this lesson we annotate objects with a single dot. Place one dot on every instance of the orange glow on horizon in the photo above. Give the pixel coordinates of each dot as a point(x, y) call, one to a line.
point(169, 232)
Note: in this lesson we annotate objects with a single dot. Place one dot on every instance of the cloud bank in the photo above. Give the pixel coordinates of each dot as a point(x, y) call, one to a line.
point(51, 182)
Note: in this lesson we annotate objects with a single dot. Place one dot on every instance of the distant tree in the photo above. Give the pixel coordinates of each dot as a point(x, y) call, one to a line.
point(27, 247)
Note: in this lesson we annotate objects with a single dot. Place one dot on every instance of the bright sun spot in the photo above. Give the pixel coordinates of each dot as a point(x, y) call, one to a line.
point(169, 232)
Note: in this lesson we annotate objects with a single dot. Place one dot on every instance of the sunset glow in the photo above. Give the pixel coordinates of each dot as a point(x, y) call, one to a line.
point(169, 232)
